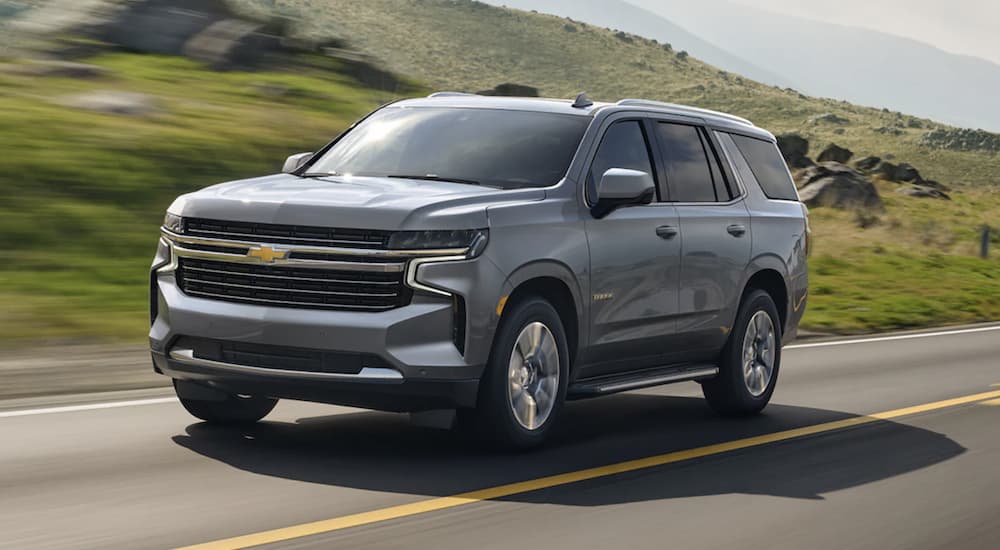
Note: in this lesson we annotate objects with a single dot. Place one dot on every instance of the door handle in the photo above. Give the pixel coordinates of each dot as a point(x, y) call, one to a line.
point(737, 230)
point(666, 232)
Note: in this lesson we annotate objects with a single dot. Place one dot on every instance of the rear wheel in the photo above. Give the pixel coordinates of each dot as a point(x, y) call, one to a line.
point(524, 385)
point(224, 408)
point(749, 364)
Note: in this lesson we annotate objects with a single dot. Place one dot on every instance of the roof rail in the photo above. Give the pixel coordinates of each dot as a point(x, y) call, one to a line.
point(685, 109)
point(451, 94)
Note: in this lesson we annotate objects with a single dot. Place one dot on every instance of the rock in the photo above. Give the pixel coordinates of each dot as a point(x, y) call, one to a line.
point(64, 69)
point(835, 185)
point(923, 191)
point(229, 43)
point(161, 26)
point(829, 118)
point(113, 102)
point(819, 171)
point(794, 148)
point(835, 153)
point(510, 89)
point(867, 164)
point(935, 185)
point(890, 130)
point(885, 170)
point(906, 172)
point(962, 139)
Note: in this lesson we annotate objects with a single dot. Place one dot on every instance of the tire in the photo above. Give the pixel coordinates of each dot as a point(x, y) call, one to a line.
point(506, 418)
point(231, 410)
point(739, 390)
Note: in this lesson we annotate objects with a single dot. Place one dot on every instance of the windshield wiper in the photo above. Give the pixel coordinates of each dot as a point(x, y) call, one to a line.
point(434, 177)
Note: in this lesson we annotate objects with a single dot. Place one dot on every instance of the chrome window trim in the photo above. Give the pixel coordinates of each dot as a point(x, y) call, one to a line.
point(367, 374)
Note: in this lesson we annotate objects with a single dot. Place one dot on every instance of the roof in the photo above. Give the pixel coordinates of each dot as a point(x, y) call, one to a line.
point(565, 106)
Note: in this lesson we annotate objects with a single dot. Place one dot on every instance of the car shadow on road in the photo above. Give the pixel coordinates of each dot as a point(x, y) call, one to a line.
point(383, 452)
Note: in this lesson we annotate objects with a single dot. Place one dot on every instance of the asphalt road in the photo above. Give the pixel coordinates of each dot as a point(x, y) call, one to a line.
point(146, 475)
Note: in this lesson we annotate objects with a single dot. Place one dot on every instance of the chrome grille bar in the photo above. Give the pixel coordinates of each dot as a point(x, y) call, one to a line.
point(292, 289)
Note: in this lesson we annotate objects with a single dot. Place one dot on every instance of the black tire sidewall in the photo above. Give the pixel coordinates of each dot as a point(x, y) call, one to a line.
point(496, 425)
point(728, 393)
point(231, 410)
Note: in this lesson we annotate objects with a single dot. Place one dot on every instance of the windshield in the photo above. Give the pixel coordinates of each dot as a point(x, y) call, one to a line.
point(497, 148)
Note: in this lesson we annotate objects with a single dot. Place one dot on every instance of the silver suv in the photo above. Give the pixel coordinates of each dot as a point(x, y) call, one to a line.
point(482, 260)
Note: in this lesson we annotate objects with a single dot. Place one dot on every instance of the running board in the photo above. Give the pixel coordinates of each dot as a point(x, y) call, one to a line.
point(605, 385)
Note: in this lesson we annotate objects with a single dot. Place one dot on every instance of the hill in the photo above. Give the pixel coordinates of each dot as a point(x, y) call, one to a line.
point(913, 266)
point(846, 62)
point(621, 15)
point(86, 185)
point(85, 191)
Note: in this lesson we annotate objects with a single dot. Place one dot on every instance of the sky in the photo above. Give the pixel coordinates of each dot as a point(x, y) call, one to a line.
point(970, 27)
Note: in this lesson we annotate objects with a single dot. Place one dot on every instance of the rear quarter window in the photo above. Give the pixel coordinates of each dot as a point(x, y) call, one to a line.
point(767, 166)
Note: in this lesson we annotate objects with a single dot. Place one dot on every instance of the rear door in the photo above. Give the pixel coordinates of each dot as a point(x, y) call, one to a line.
point(635, 262)
point(714, 226)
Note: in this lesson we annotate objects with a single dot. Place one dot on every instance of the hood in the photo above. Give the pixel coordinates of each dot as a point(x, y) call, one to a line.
point(355, 202)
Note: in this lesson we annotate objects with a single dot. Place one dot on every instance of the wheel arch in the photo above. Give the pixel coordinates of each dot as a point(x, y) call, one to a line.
point(555, 283)
point(773, 282)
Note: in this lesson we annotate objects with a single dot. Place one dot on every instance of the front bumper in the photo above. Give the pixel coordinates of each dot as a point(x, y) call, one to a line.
point(420, 366)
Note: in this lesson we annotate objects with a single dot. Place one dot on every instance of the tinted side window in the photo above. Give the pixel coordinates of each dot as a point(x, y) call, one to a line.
point(623, 146)
point(688, 174)
point(768, 167)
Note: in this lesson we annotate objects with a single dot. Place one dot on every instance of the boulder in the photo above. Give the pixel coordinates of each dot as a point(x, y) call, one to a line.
point(161, 26)
point(829, 118)
point(835, 185)
point(885, 170)
point(906, 172)
point(113, 102)
point(510, 89)
point(230, 42)
point(867, 164)
point(794, 148)
point(923, 191)
point(822, 170)
point(64, 69)
point(835, 153)
point(935, 185)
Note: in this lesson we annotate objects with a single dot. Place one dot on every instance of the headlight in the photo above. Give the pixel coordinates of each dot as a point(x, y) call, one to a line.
point(473, 239)
point(173, 222)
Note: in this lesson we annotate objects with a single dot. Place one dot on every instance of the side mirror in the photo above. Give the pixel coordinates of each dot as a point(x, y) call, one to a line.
point(295, 162)
point(622, 187)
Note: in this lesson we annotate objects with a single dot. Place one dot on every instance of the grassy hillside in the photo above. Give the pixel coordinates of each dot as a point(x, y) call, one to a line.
point(84, 191)
point(915, 266)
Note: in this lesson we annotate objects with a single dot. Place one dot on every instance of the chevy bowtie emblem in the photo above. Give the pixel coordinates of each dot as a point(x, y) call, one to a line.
point(267, 254)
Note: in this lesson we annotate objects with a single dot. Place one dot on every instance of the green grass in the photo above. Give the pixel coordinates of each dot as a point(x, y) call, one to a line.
point(84, 192)
point(915, 267)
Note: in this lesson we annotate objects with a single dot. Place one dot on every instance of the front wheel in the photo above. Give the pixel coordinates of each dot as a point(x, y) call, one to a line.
point(230, 409)
point(524, 385)
point(748, 365)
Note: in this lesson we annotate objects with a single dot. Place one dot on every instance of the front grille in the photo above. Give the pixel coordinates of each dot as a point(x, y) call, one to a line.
point(292, 286)
point(286, 234)
point(280, 357)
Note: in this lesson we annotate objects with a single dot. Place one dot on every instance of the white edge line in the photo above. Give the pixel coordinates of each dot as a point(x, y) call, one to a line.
point(162, 400)
point(890, 338)
point(88, 407)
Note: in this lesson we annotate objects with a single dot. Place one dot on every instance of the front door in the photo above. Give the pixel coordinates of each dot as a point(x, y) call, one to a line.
point(635, 264)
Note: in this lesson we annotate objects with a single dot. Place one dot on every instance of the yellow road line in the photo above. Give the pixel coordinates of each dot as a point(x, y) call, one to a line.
point(993, 402)
point(430, 505)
